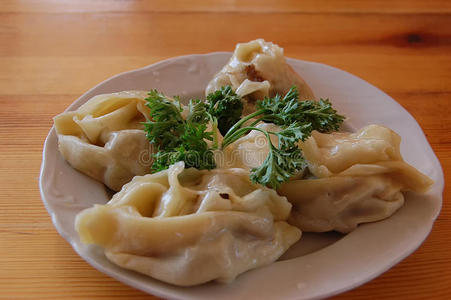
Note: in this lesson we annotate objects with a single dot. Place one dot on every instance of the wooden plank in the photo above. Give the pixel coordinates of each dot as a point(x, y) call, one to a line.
point(255, 6)
point(384, 47)
point(143, 34)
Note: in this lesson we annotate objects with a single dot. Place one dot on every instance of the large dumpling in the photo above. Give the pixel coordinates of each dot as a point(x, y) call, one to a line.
point(258, 69)
point(357, 178)
point(104, 139)
point(341, 203)
point(188, 227)
point(374, 149)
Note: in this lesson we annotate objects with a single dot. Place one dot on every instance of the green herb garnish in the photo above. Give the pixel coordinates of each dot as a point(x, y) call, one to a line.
point(179, 139)
point(297, 120)
point(226, 107)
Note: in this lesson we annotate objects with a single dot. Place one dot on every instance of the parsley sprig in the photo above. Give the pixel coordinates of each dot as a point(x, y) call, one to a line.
point(301, 116)
point(226, 107)
point(176, 138)
point(179, 139)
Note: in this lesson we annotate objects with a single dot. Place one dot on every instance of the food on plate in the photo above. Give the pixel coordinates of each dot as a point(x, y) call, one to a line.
point(258, 69)
point(104, 137)
point(341, 203)
point(373, 149)
point(223, 221)
point(234, 178)
point(359, 178)
point(351, 178)
point(193, 138)
point(189, 226)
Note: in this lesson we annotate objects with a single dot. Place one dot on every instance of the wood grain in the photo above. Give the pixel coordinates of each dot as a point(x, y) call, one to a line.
point(52, 51)
point(253, 6)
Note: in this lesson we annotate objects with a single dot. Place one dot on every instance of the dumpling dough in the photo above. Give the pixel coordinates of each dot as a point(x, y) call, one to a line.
point(374, 149)
point(104, 139)
point(341, 203)
point(360, 178)
point(249, 151)
point(187, 227)
point(258, 69)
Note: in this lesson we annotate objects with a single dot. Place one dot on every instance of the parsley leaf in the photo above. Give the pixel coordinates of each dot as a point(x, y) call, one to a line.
point(290, 135)
point(166, 122)
point(179, 139)
point(297, 119)
point(226, 107)
point(321, 115)
point(175, 138)
point(281, 163)
point(288, 110)
point(197, 112)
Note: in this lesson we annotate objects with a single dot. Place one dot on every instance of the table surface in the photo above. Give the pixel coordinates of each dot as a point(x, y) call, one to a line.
point(52, 51)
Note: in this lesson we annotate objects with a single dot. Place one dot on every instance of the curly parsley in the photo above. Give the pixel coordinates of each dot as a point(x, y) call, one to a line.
point(179, 139)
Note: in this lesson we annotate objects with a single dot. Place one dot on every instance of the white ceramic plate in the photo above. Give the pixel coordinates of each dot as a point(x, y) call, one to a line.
point(320, 265)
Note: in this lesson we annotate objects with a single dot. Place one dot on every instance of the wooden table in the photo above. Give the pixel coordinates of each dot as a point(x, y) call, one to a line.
point(52, 51)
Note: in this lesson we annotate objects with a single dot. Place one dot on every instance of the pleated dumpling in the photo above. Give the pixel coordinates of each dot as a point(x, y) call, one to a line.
point(258, 69)
point(357, 178)
point(373, 149)
point(187, 227)
point(104, 139)
point(341, 203)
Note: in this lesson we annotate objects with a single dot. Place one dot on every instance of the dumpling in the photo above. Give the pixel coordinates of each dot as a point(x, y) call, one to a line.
point(187, 227)
point(357, 178)
point(258, 69)
point(374, 149)
point(341, 203)
point(104, 139)
point(249, 151)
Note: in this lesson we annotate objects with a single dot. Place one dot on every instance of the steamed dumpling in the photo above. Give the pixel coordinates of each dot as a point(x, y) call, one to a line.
point(188, 227)
point(357, 178)
point(104, 139)
point(249, 151)
point(374, 149)
point(341, 203)
point(258, 69)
